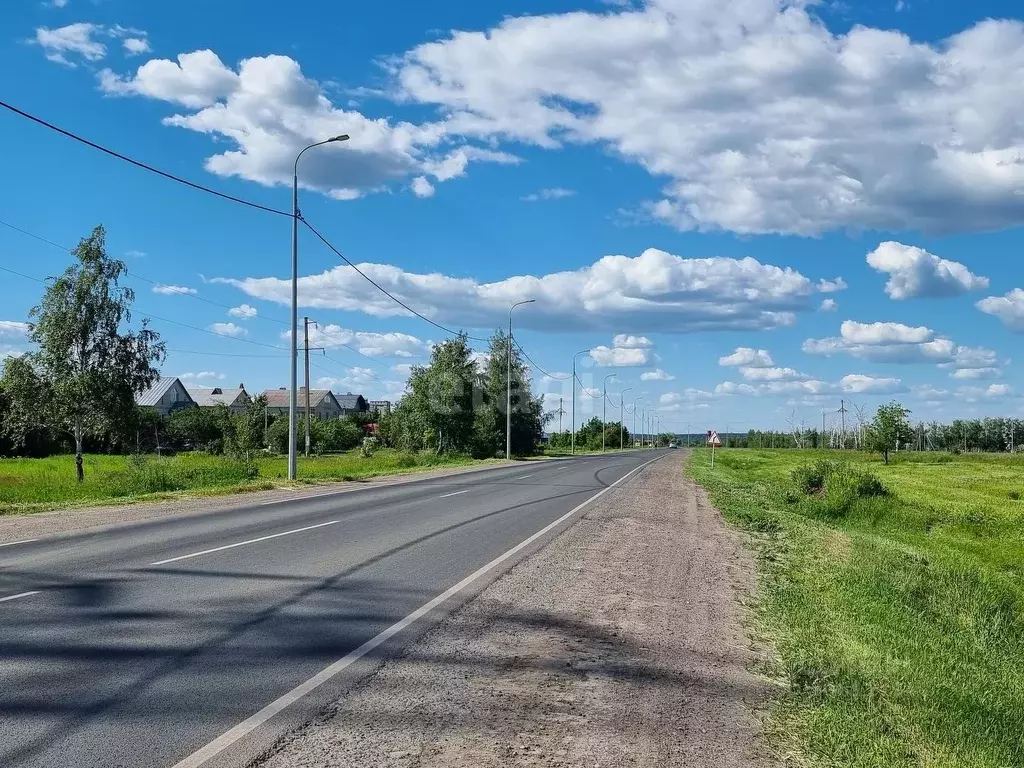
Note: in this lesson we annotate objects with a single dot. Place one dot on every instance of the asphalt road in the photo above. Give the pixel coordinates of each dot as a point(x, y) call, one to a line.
point(140, 645)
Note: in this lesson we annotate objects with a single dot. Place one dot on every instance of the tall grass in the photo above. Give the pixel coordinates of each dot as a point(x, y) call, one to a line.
point(41, 484)
point(897, 616)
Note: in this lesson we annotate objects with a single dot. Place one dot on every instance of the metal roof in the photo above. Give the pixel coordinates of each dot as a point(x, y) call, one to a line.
point(278, 398)
point(152, 395)
point(210, 396)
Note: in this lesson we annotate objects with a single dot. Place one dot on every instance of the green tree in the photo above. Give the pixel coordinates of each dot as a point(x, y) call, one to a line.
point(890, 427)
point(527, 422)
point(88, 368)
point(437, 410)
point(205, 429)
point(249, 427)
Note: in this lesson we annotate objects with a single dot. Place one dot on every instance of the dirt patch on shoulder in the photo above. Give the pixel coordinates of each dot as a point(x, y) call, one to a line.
point(618, 644)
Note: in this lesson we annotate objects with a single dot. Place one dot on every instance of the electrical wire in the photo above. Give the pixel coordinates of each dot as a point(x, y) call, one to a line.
point(587, 391)
point(231, 198)
point(139, 164)
point(380, 288)
point(530, 359)
point(197, 297)
point(222, 354)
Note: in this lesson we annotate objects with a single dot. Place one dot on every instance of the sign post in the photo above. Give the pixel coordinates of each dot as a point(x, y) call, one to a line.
point(714, 441)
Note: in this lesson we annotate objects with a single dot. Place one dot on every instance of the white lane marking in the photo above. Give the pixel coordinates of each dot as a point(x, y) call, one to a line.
point(244, 728)
point(523, 477)
point(243, 543)
point(453, 494)
point(303, 498)
point(15, 597)
point(23, 541)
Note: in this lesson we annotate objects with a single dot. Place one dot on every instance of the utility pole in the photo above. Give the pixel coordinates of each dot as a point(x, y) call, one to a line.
point(572, 451)
point(622, 417)
point(305, 327)
point(604, 409)
point(842, 414)
point(560, 412)
point(822, 440)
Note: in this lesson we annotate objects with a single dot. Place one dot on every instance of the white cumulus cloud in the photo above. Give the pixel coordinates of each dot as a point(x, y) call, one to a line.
point(899, 343)
point(828, 305)
point(621, 357)
point(73, 40)
point(748, 358)
point(1009, 309)
point(859, 384)
point(974, 374)
point(229, 329)
point(762, 118)
point(267, 110)
point(244, 311)
point(656, 375)
point(916, 274)
point(655, 291)
point(626, 341)
point(390, 344)
point(772, 374)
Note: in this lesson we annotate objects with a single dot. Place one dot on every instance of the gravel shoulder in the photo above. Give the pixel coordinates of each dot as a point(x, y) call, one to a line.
point(36, 525)
point(619, 643)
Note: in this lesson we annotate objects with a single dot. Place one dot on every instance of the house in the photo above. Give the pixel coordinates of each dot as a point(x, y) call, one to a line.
point(322, 402)
point(380, 406)
point(237, 399)
point(352, 403)
point(166, 395)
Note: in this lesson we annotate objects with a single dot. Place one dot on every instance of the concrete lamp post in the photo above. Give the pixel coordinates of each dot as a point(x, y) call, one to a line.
point(293, 396)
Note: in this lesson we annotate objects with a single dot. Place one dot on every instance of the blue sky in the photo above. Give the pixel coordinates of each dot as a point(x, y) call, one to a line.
point(680, 184)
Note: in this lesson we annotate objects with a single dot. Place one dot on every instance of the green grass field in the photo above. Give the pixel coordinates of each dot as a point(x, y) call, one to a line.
point(898, 621)
point(33, 485)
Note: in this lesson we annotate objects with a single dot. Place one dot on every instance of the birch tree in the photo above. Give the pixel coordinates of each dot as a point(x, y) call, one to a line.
point(88, 367)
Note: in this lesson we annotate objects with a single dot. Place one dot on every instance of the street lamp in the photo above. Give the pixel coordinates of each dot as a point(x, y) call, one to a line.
point(293, 396)
point(635, 401)
point(604, 408)
point(508, 402)
point(622, 416)
point(581, 352)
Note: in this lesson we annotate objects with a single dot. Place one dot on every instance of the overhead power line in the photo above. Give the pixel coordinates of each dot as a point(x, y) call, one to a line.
point(140, 164)
point(137, 276)
point(381, 288)
point(530, 359)
point(224, 196)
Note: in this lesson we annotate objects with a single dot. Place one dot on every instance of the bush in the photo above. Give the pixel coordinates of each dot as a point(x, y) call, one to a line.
point(810, 478)
point(836, 486)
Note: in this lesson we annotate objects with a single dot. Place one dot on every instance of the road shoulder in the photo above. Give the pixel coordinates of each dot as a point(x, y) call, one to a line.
point(619, 643)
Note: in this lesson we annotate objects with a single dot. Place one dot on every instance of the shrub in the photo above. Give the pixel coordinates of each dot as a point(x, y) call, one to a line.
point(810, 478)
point(836, 486)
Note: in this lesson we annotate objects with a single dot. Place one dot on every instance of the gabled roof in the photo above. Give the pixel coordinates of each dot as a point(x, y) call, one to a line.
point(351, 402)
point(209, 396)
point(160, 387)
point(278, 398)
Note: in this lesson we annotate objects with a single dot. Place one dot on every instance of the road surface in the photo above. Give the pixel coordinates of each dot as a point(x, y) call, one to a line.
point(156, 644)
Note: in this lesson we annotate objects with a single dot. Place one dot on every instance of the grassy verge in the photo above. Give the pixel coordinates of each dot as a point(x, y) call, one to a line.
point(34, 485)
point(898, 619)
